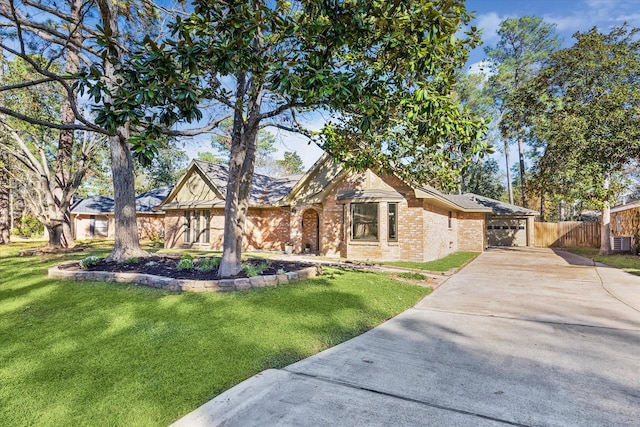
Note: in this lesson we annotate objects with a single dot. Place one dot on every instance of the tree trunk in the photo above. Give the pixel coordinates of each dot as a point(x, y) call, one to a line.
point(241, 168)
point(232, 243)
point(5, 197)
point(605, 230)
point(523, 181)
point(54, 231)
point(509, 183)
point(5, 192)
point(542, 209)
point(127, 241)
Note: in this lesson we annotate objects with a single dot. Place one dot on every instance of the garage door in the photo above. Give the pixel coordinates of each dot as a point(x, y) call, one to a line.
point(507, 232)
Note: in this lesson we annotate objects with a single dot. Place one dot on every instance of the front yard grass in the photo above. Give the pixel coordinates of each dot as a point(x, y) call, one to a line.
point(627, 262)
point(455, 260)
point(86, 353)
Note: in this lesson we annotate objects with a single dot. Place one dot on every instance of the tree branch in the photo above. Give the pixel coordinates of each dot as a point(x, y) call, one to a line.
point(193, 132)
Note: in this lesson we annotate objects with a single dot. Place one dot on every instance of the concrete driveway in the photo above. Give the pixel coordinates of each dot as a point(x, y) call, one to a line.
point(520, 336)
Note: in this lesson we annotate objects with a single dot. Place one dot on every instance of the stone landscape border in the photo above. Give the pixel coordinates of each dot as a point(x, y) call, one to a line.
point(184, 285)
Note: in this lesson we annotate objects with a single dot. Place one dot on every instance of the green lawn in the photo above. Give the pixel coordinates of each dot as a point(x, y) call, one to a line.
point(76, 353)
point(455, 260)
point(626, 262)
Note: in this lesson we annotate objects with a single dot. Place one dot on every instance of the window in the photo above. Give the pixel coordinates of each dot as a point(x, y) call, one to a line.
point(187, 226)
point(207, 224)
point(393, 221)
point(364, 219)
point(196, 226)
point(450, 219)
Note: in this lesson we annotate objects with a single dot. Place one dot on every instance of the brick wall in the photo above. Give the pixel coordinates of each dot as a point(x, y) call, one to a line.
point(265, 229)
point(472, 232)
point(440, 240)
point(150, 226)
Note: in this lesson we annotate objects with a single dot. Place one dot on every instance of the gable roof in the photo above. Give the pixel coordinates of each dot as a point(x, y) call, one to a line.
point(265, 190)
point(145, 202)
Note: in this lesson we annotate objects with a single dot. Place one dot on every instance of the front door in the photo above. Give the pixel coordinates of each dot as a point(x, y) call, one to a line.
point(310, 231)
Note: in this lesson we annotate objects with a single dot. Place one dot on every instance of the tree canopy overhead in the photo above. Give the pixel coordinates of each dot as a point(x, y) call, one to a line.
point(383, 71)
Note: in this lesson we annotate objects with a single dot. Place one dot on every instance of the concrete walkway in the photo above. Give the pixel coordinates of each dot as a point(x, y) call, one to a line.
point(519, 337)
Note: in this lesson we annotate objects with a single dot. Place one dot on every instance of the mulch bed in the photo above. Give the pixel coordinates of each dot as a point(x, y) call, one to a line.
point(167, 267)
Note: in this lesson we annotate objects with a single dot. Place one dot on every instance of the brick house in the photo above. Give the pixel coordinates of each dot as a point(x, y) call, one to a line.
point(336, 212)
point(93, 218)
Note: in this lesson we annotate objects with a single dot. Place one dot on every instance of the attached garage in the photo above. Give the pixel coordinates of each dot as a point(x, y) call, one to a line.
point(506, 231)
point(506, 224)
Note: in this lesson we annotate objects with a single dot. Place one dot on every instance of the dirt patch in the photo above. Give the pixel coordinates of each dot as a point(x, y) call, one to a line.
point(168, 267)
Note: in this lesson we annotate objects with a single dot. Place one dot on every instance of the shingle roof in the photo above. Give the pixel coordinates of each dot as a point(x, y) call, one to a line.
point(470, 200)
point(93, 205)
point(145, 202)
point(265, 190)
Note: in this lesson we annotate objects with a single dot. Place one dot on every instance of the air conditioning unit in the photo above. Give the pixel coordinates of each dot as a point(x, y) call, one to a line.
point(621, 244)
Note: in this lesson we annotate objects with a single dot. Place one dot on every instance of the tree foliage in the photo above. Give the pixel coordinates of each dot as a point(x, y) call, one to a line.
point(525, 44)
point(291, 164)
point(68, 36)
point(585, 107)
point(483, 178)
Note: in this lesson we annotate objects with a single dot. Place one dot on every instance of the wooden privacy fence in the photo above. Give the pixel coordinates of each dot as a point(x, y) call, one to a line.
point(567, 234)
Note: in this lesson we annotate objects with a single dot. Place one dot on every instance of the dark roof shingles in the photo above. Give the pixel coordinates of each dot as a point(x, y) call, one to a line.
point(265, 190)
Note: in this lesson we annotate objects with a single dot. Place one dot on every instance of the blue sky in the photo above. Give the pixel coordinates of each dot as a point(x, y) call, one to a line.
point(569, 16)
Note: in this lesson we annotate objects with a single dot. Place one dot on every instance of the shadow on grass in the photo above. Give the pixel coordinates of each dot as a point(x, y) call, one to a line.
point(116, 354)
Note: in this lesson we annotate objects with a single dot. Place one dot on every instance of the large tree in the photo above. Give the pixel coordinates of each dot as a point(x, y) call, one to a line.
point(382, 71)
point(49, 171)
point(72, 32)
point(525, 43)
point(585, 105)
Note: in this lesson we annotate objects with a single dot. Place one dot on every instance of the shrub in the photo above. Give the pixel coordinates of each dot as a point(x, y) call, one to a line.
point(88, 262)
point(151, 264)
point(28, 226)
point(206, 264)
point(133, 260)
point(254, 270)
point(185, 264)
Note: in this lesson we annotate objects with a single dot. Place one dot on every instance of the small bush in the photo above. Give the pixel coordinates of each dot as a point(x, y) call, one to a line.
point(206, 264)
point(133, 260)
point(88, 262)
point(151, 264)
point(255, 270)
point(187, 256)
point(28, 226)
point(185, 264)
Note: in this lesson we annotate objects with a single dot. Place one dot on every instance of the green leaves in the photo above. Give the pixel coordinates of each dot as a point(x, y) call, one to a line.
point(584, 106)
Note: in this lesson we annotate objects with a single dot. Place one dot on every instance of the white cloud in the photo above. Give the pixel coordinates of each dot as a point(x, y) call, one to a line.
point(489, 23)
point(480, 67)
